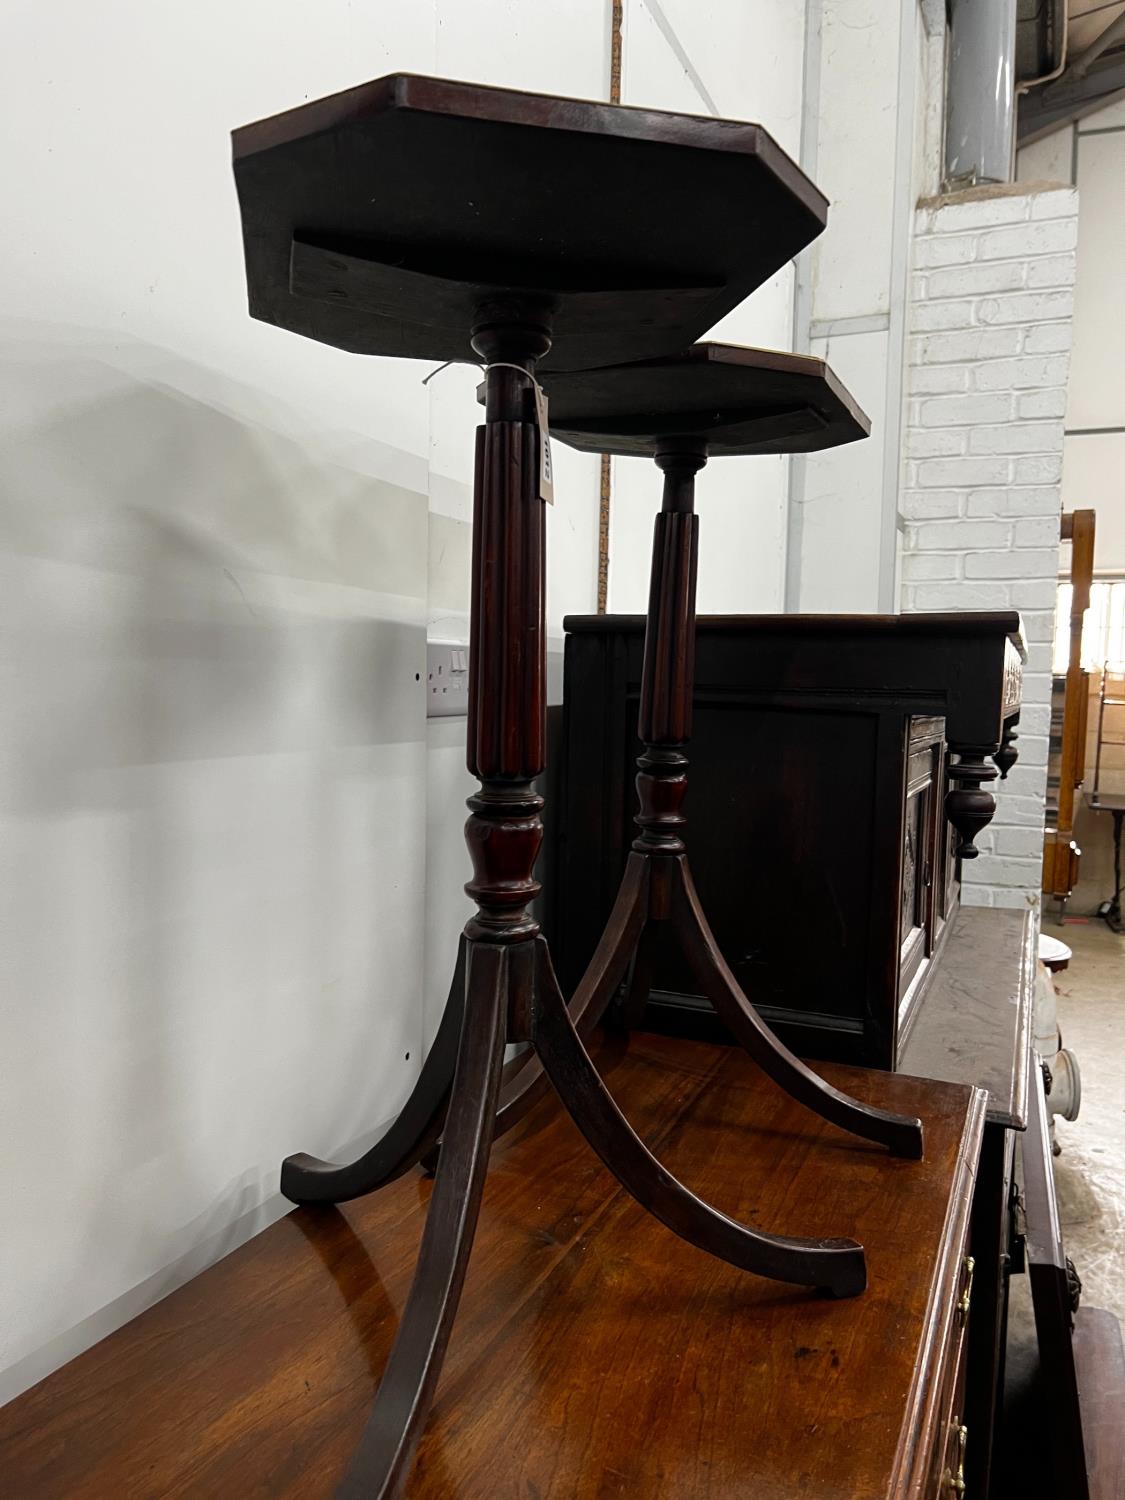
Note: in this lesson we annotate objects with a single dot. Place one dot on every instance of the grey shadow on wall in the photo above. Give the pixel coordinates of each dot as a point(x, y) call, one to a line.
point(180, 587)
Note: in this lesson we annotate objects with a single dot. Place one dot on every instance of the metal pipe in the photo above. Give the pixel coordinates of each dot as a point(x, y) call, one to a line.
point(981, 106)
point(1061, 26)
point(1114, 32)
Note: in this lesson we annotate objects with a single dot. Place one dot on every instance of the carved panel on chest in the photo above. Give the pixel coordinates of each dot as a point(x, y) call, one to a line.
point(922, 844)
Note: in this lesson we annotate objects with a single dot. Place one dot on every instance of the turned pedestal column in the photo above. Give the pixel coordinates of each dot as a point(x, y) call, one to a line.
point(723, 399)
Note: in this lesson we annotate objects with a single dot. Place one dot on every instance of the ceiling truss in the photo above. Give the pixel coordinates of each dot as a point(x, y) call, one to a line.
point(1090, 68)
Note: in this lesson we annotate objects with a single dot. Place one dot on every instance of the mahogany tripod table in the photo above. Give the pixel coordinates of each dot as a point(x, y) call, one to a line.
point(435, 220)
point(678, 410)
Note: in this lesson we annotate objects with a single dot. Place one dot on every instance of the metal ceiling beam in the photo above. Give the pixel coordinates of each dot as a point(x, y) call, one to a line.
point(1114, 33)
point(1071, 98)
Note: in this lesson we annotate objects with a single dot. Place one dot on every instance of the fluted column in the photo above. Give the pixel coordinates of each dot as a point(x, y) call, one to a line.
point(506, 733)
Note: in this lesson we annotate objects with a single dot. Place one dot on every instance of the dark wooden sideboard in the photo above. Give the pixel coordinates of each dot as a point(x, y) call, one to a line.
point(837, 765)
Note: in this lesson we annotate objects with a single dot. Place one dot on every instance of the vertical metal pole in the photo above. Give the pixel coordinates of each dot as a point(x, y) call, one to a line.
point(980, 98)
point(605, 500)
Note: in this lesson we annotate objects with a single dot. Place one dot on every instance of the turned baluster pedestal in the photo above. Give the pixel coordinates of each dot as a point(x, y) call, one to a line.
point(505, 989)
point(739, 401)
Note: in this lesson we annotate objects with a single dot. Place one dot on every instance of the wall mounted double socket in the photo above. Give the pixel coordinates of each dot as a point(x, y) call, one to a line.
point(447, 678)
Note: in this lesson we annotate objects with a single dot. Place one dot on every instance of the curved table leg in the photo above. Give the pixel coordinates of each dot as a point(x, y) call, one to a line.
point(307, 1179)
point(639, 986)
point(901, 1134)
point(833, 1265)
point(381, 1462)
point(595, 989)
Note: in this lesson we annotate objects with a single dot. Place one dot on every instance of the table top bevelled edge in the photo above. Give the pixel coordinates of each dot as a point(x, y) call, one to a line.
point(317, 263)
point(423, 91)
point(738, 399)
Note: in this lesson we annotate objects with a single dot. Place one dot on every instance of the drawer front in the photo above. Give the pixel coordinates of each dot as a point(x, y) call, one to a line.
point(951, 1435)
point(948, 1479)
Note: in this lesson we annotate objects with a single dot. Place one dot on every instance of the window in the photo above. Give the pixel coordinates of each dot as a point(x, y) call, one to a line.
point(1103, 634)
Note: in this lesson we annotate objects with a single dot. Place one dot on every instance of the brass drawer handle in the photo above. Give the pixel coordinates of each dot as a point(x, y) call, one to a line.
point(967, 1294)
point(955, 1483)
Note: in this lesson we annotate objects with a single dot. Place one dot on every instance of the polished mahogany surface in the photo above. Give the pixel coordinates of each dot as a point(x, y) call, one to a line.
point(595, 1354)
point(384, 219)
point(738, 400)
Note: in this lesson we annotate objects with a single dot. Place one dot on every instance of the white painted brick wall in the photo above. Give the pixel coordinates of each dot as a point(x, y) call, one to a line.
point(988, 354)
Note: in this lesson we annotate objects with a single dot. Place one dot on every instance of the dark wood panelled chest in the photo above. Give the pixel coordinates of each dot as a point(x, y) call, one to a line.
point(821, 755)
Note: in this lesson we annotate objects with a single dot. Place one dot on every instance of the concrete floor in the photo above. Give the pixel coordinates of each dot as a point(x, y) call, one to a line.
point(1090, 1172)
point(1090, 1178)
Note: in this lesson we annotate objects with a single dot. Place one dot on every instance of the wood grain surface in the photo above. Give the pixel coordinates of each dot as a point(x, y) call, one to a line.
point(595, 1354)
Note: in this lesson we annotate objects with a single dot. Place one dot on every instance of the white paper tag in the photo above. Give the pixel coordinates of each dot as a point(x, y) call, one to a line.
point(546, 469)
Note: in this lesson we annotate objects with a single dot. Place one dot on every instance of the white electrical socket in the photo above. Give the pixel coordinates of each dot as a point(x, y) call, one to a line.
point(447, 678)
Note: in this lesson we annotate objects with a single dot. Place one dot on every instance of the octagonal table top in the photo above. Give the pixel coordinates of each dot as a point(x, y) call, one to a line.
point(382, 219)
point(738, 400)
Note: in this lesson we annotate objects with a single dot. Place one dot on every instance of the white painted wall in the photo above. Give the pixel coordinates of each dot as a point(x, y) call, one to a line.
point(725, 58)
point(230, 853)
point(992, 302)
point(879, 88)
point(1094, 461)
point(214, 589)
point(853, 89)
point(1091, 155)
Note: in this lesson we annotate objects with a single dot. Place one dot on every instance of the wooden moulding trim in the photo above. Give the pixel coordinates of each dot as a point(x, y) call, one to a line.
point(971, 623)
point(448, 96)
point(917, 1439)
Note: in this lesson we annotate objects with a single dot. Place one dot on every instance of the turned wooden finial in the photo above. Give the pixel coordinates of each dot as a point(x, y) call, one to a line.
point(967, 805)
point(1007, 755)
